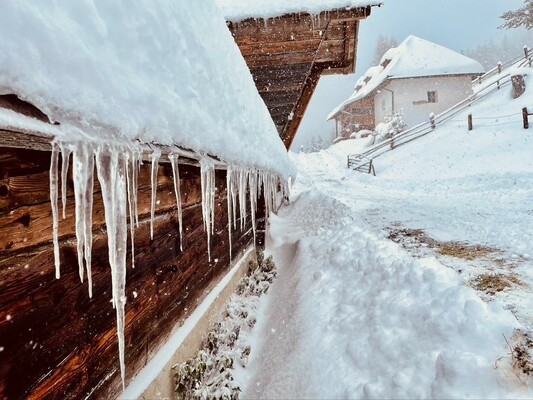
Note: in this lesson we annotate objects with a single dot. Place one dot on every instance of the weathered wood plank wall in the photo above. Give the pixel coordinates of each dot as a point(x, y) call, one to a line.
point(288, 54)
point(55, 341)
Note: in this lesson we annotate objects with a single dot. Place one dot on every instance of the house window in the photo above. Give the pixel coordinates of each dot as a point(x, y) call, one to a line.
point(432, 97)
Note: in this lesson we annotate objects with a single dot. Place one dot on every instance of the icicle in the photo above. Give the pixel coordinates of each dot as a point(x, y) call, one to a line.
point(207, 172)
point(111, 166)
point(229, 196)
point(234, 177)
point(155, 163)
point(88, 218)
point(176, 174)
point(242, 196)
point(83, 173)
point(65, 159)
point(130, 171)
point(53, 202)
point(136, 168)
point(252, 179)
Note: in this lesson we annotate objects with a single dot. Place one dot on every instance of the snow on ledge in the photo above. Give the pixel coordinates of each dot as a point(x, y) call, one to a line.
point(237, 10)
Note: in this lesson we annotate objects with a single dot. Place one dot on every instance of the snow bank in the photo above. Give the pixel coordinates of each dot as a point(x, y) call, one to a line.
point(165, 72)
point(236, 10)
point(354, 316)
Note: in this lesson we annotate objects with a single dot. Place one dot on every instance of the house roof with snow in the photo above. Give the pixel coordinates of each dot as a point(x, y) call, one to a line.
point(288, 45)
point(236, 10)
point(413, 58)
point(159, 72)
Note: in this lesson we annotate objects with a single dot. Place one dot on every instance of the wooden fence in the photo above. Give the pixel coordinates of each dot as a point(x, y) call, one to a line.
point(483, 86)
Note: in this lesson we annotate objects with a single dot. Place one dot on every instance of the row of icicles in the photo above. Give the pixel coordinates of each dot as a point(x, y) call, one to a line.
point(117, 169)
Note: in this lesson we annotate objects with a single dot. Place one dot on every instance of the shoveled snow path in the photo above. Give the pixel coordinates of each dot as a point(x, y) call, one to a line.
point(355, 316)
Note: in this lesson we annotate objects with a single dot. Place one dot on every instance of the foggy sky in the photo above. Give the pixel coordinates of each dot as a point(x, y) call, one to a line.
point(456, 24)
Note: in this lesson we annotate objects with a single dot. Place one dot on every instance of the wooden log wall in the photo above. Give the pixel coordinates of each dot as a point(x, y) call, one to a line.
point(56, 342)
point(288, 54)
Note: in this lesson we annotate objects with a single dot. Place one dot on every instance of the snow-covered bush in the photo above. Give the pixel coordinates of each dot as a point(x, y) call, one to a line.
point(393, 125)
point(209, 374)
point(363, 133)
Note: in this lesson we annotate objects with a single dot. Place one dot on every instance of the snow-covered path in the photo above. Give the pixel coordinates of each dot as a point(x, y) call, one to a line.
point(355, 315)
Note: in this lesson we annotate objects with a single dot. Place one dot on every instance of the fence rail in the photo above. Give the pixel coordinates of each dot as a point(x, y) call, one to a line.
point(356, 161)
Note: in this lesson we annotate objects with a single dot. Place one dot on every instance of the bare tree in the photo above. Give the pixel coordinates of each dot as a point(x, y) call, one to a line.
point(383, 44)
point(523, 17)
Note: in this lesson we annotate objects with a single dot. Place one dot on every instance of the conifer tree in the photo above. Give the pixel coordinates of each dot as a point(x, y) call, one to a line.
point(523, 17)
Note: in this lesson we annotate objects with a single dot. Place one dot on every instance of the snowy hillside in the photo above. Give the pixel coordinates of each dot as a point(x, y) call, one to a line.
point(412, 284)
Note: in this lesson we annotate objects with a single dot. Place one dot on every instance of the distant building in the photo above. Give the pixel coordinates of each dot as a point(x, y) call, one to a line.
point(416, 78)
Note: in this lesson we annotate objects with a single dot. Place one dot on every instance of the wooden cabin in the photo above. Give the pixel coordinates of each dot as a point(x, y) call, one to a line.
point(55, 341)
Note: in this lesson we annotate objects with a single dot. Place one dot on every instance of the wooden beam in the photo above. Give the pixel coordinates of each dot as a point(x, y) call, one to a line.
point(18, 138)
point(298, 112)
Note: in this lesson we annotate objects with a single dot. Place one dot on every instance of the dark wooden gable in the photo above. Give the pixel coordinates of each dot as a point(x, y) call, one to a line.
point(288, 54)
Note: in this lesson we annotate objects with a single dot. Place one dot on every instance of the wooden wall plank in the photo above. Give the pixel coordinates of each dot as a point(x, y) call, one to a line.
point(289, 53)
point(57, 343)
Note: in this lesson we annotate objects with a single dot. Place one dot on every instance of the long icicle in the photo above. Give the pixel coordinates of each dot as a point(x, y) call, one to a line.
point(112, 177)
point(53, 202)
point(88, 217)
point(228, 195)
point(130, 179)
point(242, 196)
point(137, 157)
point(252, 179)
point(207, 175)
point(65, 160)
point(176, 175)
point(155, 163)
point(234, 178)
point(79, 175)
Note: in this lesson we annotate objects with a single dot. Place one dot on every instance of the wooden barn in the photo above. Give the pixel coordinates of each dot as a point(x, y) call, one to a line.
point(86, 191)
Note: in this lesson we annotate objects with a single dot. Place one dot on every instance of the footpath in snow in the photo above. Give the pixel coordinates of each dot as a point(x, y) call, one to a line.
point(382, 287)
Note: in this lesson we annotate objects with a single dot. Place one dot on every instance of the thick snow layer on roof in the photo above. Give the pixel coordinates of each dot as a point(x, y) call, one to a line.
point(165, 72)
point(414, 57)
point(236, 10)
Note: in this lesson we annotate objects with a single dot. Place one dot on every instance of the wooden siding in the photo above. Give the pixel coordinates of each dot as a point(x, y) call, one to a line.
point(360, 114)
point(288, 54)
point(56, 342)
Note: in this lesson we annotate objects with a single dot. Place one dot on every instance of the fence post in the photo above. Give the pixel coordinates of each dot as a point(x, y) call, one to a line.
point(499, 67)
point(525, 117)
point(470, 122)
point(432, 121)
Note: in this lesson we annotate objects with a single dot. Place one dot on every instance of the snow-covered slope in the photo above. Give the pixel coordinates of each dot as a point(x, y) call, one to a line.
point(356, 315)
point(236, 10)
point(165, 72)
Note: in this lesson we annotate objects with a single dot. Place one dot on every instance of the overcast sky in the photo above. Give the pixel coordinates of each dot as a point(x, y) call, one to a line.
point(457, 24)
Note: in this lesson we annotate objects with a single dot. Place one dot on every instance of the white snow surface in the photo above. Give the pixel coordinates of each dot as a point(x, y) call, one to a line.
point(237, 10)
point(413, 58)
point(354, 315)
point(165, 72)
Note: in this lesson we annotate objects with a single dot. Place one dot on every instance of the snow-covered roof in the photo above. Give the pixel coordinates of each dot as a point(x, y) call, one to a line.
point(413, 58)
point(165, 71)
point(236, 10)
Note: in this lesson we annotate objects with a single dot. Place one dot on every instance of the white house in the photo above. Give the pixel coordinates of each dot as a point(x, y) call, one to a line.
point(416, 78)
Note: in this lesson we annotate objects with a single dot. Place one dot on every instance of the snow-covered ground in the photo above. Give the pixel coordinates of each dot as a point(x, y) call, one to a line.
point(412, 284)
